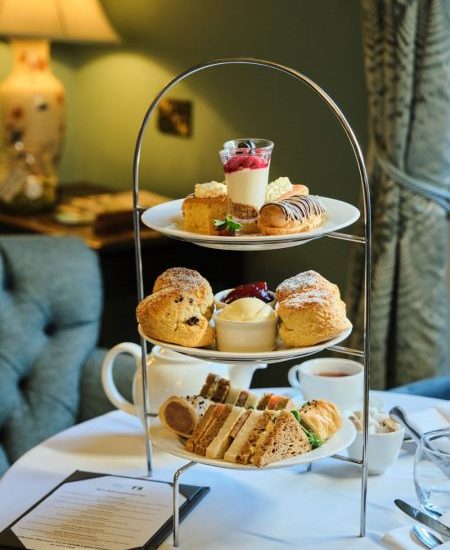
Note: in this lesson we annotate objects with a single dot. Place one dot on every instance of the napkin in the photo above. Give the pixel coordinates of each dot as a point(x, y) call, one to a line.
point(400, 537)
point(433, 418)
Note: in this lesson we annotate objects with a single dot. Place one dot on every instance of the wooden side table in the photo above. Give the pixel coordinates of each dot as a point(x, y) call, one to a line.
point(48, 224)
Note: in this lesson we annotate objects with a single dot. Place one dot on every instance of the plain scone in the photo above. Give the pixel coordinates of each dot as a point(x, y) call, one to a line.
point(308, 318)
point(175, 315)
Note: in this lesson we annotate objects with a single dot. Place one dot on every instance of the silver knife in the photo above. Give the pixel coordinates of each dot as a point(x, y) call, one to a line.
point(422, 517)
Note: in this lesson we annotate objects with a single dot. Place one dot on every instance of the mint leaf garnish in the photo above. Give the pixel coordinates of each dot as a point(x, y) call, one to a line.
point(228, 224)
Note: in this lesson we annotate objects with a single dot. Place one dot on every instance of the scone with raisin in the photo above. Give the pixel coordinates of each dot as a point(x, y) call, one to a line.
point(175, 315)
point(188, 279)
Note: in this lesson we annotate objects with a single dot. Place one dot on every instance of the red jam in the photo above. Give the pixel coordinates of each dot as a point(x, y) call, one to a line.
point(241, 161)
point(251, 290)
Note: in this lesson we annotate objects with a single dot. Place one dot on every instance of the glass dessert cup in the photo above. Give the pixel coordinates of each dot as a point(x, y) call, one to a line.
point(246, 165)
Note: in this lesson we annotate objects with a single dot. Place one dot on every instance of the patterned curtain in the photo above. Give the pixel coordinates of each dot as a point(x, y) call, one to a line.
point(407, 59)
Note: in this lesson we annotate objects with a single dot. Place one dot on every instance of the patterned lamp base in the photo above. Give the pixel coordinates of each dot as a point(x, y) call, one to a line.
point(32, 102)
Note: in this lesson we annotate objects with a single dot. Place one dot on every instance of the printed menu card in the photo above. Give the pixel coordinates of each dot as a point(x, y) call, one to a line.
point(90, 511)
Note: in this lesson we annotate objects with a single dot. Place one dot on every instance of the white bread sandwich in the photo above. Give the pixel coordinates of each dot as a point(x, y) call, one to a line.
point(208, 427)
point(221, 442)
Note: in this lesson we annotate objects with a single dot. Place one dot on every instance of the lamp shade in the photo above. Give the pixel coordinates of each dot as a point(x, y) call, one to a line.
point(61, 20)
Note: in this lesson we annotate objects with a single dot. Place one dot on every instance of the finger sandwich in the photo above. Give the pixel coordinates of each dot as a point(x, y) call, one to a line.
point(248, 436)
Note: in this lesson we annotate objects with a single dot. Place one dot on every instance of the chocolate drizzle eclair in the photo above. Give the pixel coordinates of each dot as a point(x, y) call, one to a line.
point(292, 215)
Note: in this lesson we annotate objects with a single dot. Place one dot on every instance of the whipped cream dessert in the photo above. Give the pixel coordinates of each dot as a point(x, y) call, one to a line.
point(209, 190)
point(246, 325)
point(277, 188)
point(247, 309)
point(246, 166)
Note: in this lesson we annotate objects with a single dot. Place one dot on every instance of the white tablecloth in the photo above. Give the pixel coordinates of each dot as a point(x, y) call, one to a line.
point(244, 510)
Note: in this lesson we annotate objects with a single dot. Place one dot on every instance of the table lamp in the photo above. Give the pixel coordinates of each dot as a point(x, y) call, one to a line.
point(32, 99)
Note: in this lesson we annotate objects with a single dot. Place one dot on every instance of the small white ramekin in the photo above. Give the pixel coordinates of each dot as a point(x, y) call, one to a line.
point(246, 336)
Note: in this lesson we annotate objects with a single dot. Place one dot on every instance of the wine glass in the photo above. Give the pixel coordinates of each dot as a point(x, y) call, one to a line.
point(432, 471)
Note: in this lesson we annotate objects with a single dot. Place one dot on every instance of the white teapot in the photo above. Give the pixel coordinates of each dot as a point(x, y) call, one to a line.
point(168, 373)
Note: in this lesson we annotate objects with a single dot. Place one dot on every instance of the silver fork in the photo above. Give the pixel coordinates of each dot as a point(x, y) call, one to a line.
point(424, 537)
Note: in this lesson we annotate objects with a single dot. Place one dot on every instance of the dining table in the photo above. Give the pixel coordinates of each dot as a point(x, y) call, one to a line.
point(296, 507)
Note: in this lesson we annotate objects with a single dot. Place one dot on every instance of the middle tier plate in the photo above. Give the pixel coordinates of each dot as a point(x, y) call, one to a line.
point(167, 219)
point(282, 353)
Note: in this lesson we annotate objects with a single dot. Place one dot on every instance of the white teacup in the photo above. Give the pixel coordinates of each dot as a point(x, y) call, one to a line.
point(168, 373)
point(337, 380)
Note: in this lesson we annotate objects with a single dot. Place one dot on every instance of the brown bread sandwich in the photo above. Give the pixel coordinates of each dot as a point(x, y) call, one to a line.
point(262, 437)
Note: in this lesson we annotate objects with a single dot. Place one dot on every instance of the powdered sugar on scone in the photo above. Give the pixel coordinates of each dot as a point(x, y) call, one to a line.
point(303, 282)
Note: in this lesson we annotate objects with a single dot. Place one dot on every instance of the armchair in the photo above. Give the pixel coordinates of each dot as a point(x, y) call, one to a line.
point(50, 312)
point(438, 387)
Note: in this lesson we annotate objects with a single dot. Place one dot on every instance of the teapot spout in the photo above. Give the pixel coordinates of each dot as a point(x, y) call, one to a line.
point(241, 374)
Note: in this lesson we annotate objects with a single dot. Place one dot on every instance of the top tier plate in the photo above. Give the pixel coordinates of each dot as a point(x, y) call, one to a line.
point(167, 219)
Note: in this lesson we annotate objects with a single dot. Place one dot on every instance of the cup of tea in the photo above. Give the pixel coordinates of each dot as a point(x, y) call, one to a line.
point(337, 380)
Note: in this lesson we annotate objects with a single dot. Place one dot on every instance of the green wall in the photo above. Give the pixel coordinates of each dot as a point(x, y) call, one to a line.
point(109, 89)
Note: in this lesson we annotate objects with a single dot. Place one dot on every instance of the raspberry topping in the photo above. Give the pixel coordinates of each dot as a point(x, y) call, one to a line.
point(241, 161)
point(251, 290)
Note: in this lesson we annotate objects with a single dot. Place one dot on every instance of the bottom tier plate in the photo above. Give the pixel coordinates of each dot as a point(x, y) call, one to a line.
point(282, 353)
point(169, 442)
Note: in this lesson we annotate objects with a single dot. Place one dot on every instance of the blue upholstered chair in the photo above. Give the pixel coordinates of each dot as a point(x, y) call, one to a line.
point(438, 387)
point(50, 311)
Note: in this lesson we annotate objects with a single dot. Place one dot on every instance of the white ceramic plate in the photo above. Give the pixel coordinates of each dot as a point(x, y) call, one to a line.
point(166, 440)
point(282, 353)
point(167, 219)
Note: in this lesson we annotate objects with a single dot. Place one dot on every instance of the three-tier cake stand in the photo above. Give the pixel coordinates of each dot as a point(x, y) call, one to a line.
point(364, 241)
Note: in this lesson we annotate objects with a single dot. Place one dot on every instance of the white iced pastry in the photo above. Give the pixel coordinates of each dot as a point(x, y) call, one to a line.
point(247, 309)
point(277, 188)
point(210, 190)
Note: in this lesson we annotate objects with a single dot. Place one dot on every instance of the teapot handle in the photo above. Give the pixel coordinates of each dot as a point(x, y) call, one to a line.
point(109, 386)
